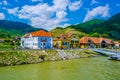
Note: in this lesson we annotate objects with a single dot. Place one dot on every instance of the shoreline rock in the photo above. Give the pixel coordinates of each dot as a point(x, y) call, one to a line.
point(18, 57)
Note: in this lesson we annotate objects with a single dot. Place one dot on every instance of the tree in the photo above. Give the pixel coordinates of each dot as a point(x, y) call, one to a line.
point(95, 35)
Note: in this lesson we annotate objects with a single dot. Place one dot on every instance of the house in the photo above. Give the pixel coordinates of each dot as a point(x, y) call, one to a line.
point(37, 40)
point(66, 41)
point(93, 42)
point(116, 44)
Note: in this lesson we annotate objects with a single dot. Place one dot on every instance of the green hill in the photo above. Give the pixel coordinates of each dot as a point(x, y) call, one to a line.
point(11, 29)
point(89, 26)
point(97, 28)
point(82, 29)
point(111, 27)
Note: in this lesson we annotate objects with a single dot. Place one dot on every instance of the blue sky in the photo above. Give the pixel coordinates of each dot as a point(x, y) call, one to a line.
point(51, 13)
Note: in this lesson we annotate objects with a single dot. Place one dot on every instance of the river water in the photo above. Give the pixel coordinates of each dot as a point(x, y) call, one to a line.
point(97, 68)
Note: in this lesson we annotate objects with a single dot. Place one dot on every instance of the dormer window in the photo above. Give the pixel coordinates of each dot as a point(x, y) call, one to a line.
point(89, 41)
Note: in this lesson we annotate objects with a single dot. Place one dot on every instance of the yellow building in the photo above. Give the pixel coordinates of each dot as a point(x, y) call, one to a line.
point(66, 41)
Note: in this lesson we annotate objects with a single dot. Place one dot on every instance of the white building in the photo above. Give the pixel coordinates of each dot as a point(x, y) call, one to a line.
point(37, 40)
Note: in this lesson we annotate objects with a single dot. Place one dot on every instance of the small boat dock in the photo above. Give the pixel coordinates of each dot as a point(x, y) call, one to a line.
point(113, 55)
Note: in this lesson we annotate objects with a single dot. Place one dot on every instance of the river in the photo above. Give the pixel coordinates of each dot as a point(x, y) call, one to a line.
point(97, 68)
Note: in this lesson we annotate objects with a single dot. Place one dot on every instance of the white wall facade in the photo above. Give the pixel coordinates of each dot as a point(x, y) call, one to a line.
point(36, 42)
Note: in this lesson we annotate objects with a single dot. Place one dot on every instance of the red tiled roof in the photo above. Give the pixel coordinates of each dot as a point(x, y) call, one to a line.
point(39, 33)
point(94, 40)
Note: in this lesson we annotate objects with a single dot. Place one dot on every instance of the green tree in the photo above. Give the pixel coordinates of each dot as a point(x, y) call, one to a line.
point(95, 35)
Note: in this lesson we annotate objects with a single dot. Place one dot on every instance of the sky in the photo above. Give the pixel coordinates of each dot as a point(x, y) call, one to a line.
point(49, 14)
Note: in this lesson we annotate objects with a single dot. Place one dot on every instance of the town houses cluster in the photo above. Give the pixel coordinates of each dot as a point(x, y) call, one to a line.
point(44, 40)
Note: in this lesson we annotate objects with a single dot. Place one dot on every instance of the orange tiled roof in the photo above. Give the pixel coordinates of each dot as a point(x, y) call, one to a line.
point(115, 42)
point(108, 41)
point(94, 40)
point(39, 33)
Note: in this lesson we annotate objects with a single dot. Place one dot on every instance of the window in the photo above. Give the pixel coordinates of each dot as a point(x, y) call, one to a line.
point(76, 42)
point(44, 44)
point(35, 44)
point(72, 41)
point(103, 42)
point(65, 43)
point(62, 43)
point(89, 41)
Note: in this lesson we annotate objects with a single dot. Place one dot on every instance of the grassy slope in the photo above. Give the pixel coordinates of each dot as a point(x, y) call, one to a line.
point(57, 31)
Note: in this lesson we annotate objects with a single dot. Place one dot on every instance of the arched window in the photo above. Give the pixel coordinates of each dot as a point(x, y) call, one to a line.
point(103, 42)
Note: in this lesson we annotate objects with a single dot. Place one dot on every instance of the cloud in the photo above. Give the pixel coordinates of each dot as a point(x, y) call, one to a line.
point(60, 4)
point(102, 11)
point(61, 14)
point(65, 25)
point(94, 2)
point(13, 11)
point(2, 16)
point(75, 5)
point(4, 3)
point(37, 0)
point(43, 15)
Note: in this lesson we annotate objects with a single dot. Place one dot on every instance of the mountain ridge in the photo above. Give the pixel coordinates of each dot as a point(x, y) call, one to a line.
point(96, 28)
point(13, 28)
point(99, 28)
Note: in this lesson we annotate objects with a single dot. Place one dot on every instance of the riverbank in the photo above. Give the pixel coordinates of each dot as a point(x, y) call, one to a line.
point(17, 57)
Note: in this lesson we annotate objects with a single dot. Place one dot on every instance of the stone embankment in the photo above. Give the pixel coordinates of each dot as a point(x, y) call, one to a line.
point(17, 57)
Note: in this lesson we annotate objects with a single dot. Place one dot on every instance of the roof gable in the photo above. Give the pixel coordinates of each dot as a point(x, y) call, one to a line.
point(39, 33)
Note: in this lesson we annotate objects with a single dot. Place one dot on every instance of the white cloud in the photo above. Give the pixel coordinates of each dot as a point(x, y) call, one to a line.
point(94, 2)
point(40, 15)
point(102, 11)
point(61, 14)
point(60, 4)
point(2, 16)
point(4, 2)
point(37, 0)
point(75, 5)
point(13, 11)
point(43, 15)
point(65, 25)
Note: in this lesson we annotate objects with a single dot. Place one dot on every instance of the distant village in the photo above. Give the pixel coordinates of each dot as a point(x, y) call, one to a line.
point(45, 40)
